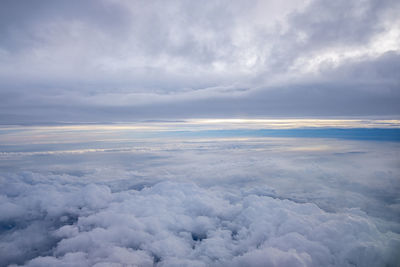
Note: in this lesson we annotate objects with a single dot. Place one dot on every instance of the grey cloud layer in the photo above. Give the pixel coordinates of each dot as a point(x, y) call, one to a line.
point(124, 60)
point(203, 203)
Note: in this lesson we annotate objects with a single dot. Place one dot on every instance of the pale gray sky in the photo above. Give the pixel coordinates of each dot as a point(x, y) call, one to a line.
point(115, 60)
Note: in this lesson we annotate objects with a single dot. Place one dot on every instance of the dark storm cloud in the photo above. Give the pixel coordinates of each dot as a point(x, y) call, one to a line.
point(124, 60)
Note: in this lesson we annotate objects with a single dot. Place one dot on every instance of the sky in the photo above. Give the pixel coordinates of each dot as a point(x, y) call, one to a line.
point(199, 133)
point(116, 60)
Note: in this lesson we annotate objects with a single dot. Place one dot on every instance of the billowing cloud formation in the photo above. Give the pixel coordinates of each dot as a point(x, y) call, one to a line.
point(238, 202)
point(128, 60)
point(175, 224)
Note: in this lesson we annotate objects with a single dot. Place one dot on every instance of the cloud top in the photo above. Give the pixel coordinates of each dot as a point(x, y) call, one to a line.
point(215, 202)
point(174, 224)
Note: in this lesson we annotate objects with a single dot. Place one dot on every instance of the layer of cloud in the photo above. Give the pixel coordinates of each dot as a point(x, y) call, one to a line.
point(174, 224)
point(123, 60)
point(291, 202)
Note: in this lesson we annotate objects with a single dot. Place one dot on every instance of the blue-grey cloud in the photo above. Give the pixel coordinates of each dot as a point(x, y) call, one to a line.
point(230, 202)
point(129, 60)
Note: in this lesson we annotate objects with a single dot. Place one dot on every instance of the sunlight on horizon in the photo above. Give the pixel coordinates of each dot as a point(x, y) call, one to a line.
point(125, 132)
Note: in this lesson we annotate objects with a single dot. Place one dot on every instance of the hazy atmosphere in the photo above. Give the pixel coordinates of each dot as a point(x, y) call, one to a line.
point(199, 133)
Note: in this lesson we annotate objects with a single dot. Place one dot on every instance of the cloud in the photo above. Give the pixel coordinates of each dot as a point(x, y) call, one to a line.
point(176, 223)
point(113, 60)
point(203, 203)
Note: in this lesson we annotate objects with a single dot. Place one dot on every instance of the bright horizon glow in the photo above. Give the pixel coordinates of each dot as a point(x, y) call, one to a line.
point(121, 132)
point(298, 123)
point(223, 122)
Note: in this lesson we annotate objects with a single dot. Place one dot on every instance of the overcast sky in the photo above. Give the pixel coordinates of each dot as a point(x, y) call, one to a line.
point(115, 60)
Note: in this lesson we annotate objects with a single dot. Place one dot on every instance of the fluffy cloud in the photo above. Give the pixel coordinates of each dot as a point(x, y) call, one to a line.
point(182, 224)
point(255, 202)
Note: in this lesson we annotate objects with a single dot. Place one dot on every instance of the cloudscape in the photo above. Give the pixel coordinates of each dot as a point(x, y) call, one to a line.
point(199, 133)
point(86, 61)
